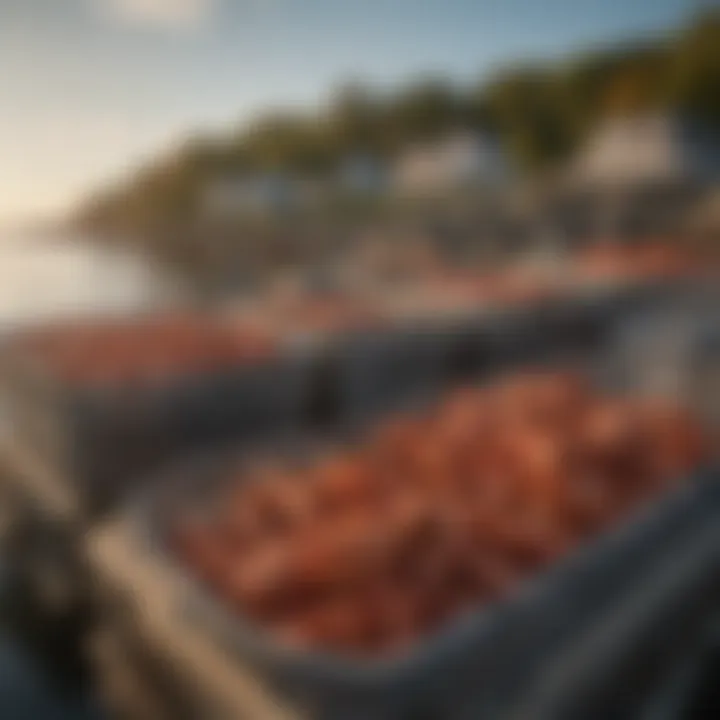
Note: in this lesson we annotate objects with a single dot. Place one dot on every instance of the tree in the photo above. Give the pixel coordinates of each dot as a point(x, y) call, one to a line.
point(540, 113)
point(695, 80)
point(525, 105)
point(424, 111)
point(355, 121)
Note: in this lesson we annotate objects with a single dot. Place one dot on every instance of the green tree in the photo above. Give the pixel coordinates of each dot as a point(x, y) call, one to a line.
point(424, 111)
point(695, 79)
point(541, 113)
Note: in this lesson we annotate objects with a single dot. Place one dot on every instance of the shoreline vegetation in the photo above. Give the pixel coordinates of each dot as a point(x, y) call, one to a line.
point(540, 113)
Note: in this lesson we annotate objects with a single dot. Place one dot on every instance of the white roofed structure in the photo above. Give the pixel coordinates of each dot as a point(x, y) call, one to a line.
point(460, 160)
point(648, 150)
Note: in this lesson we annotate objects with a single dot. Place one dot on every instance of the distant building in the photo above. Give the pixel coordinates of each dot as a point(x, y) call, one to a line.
point(265, 194)
point(457, 161)
point(655, 150)
point(362, 175)
point(636, 177)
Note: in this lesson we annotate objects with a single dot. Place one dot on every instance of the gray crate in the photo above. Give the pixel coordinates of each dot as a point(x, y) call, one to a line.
point(494, 644)
point(377, 372)
point(96, 440)
point(616, 667)
point(673, 351)
point(382, 371)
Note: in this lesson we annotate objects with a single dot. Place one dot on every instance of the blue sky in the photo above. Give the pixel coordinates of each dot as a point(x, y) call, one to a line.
point(89, 88)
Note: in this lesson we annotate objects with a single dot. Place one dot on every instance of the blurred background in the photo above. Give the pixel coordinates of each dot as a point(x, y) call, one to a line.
point(238, 225)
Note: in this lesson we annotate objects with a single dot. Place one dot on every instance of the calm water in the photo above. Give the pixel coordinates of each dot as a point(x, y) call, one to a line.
point(47, 278)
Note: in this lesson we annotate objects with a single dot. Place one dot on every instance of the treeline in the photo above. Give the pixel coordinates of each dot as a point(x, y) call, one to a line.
point(541, 114)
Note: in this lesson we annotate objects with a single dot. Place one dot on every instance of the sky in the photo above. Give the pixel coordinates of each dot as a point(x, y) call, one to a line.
point(91, 88)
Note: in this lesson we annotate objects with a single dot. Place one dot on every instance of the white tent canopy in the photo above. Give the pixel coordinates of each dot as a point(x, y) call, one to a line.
point(650, 149)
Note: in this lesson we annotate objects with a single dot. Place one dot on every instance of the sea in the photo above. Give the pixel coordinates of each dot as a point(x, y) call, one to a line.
point(46, 277)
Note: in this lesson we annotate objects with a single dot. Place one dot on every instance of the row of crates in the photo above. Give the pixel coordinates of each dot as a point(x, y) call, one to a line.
point(75, 539)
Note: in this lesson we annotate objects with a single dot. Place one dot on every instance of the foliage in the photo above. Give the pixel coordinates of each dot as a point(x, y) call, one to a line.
point(541, 114)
